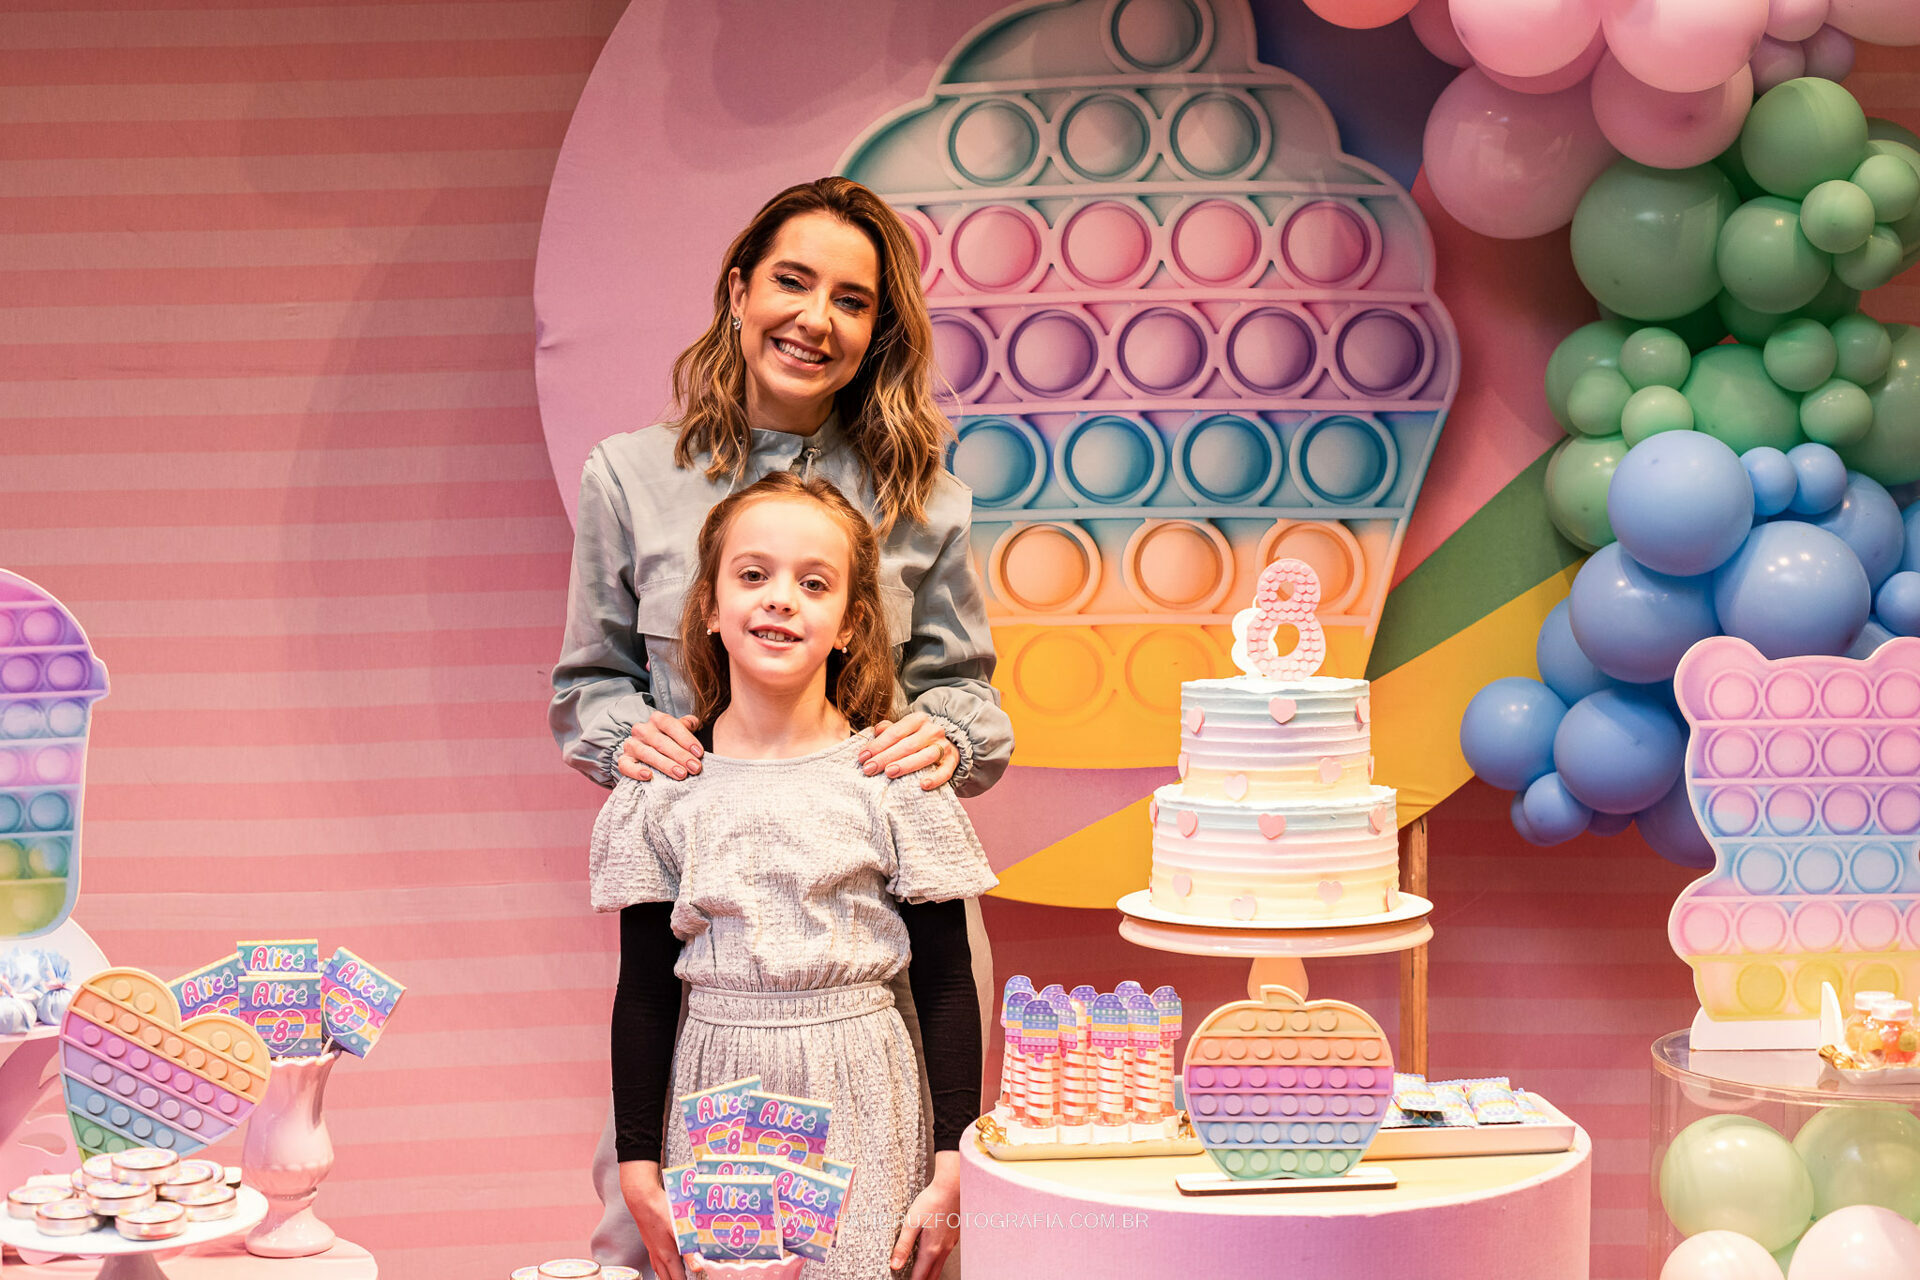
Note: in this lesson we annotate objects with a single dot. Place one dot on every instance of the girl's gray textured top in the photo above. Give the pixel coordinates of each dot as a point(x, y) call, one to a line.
point(782, 873)
point(635, 551)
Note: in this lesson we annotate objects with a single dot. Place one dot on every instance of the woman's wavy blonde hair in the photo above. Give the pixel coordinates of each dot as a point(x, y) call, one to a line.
point(887, 410)
point(859, 681)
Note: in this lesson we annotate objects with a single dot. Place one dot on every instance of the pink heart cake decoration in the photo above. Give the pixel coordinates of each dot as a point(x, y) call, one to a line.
point(1235, 785)
point(1282, 709)
point(1331, 891)
point(1189, 823)
point(1273, 825)
point(1180, 764)
point(1153, 812)
point(1183, 884)
point(1379, 819)
point(1243, 907)
point(1363, 708)
point(1329, 771)
point(1195, 718)
point(135, 1075)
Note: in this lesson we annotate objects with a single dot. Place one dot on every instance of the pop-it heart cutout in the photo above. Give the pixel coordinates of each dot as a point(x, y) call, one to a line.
point(1189, 822)
point(1235, 785)
point(1272, 825)
point(1282, 709)
point(135, 1075)
point(1195, 718)
point(1282, 1088)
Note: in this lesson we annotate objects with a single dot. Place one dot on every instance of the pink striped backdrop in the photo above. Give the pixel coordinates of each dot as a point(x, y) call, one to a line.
point(268, 425)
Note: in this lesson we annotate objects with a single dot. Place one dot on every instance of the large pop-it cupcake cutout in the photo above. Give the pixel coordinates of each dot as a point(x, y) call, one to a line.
point(49, 680)
point(1284, 1088)
point(1185, 336)
point(1805, 775)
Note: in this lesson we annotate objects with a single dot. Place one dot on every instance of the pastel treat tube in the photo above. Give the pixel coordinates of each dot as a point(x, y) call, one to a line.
point(1039, 1047)
point(1110, 1035)
point(1052, 993)
point(213, 988)
point(782, 1128)
point(736, 1219)
point(1011, 1008)
point(1166, 1001)
point(1143, 1080)
point(49, 681)
point(811, 1202)
point(285, 1009)
point(291, 955)
point(355, 1000)
point(714, 1119)
point(678, 1182)
point(1076, 1103)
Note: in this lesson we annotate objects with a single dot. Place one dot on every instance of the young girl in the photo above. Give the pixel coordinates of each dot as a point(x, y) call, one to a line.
point(789, 888)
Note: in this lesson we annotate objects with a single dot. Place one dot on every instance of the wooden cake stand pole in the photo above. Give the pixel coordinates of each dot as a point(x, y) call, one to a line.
point(1413, 962)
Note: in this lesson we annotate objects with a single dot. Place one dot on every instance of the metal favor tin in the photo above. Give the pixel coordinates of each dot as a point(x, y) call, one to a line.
point(110, 1198)
point(155, 1222)
point(569, 1269)
point(22, 1202)
point(189, 1174)
point(65, 1218)
point(207, 1202)
point(150, 1165)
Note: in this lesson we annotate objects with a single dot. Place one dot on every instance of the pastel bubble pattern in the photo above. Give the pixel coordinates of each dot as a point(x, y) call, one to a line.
point(1283, 1088)
point(49, 680)
point(1181, 334)
point(1805, 775)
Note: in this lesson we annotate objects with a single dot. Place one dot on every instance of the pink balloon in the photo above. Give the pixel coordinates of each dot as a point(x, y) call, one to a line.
point(1525, 37)
point(1829, 53)
point(1684, 46)
point(1554, 81)
point(1668, 130)
point(1433, 24)
point(1776, 62)
point(1860, 1242)
point(1719, 1255)
point(1875, 21)
point(1512, 165)
point(1361, 13)
point(1795, 20)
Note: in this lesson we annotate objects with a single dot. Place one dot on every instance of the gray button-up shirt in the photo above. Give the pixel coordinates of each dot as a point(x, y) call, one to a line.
point(635, 551)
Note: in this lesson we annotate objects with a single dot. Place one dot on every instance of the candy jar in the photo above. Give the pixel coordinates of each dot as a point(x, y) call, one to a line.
point(1863, 1003)
point(1890, 1033)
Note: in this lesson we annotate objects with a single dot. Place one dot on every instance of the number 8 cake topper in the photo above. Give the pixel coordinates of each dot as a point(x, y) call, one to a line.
point(1253, 628)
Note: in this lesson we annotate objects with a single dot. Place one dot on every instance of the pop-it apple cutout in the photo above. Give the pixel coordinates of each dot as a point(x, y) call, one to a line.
point(135, 1075)
point(1284, 1088)
point(1805, 775)
point(49, 681)
point(1185, 334)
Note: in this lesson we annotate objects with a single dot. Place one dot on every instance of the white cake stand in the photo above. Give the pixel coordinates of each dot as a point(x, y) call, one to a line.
point(125, 1259)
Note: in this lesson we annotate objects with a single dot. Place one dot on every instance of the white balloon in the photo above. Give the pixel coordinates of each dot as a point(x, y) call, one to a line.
point(1860, 1242)
point(1720, 1255)
point(1795, 20)
point(1877, 21)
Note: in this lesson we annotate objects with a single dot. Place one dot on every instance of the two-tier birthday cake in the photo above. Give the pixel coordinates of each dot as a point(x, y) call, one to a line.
point(1275, 817)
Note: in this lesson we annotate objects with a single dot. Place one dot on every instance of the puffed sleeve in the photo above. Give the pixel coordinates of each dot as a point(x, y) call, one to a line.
point(600, 684)
point(628, 859)
point(935, 856)
point(946, 665)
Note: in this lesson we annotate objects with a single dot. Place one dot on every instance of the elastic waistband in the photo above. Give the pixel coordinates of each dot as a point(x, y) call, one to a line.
point(727, 1008)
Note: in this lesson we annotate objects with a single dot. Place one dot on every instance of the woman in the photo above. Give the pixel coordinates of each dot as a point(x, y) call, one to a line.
point(818, 360)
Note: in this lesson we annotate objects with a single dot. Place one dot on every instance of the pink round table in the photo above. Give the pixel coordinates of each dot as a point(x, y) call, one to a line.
point(226, 1260)
point(1468, 1217)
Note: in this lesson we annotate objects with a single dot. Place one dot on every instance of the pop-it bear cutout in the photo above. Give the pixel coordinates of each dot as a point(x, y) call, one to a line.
point(49, 681)
point(1185, 336)
point(1805, 775)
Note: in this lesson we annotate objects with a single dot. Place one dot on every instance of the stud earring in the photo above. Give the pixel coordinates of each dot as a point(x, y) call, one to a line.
point(736, 323)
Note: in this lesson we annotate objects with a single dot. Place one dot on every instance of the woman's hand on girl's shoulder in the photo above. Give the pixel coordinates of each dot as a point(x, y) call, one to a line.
point(661, 744)
point(914, 742)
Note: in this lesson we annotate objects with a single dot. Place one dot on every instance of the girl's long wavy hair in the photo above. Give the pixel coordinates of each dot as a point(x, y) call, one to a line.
point(860, 681)
point(888, 409)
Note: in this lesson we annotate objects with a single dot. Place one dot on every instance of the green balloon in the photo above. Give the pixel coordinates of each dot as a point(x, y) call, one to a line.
point(1699, 329)
point(1908, 227)
point(1766, 260)
point(1836, 300)
point(1735, 401)
point(1596, 400)
point(1653, 410)
point(1730, 163)
point(1890, 452)
point(1862, 347)
point(1865, 1154)
point(1747, 325)
point(1591, 346)
point(1891, 184)
point(1837, 216)
point(1577, 478)
point(1873, 263)
point(1734, 1173)
point(1653, 357)
point(1643, 239)
point(1800, 134)
point(1800, 354)
point(1836, 413)
point(1783, 1258)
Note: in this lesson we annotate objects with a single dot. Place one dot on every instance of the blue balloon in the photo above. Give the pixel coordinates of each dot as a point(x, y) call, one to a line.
point(1820, 478)
point(1551, 810)
point(1680, 503)
point(1517, 812)
point(1566, 670)
point(1774, 482)
point(1618, 750)
point(1911, 560)
point(1609, 824)
point(1871, 637)
point(1669, 826)
point(1507, 731)
point(1634, 623)
point(1792, 589)
point(1866, 520)
point(1898, 603)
